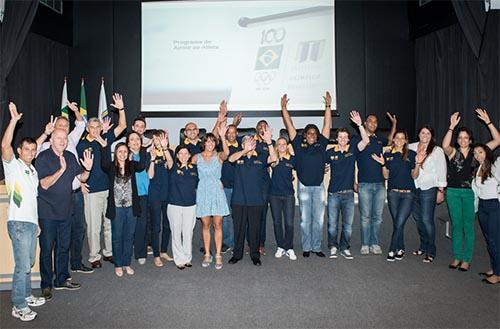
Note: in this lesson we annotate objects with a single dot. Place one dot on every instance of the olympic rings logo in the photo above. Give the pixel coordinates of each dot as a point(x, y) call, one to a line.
point(264, 78)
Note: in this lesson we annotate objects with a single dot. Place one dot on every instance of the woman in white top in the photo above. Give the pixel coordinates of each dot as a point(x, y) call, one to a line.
point(486, 187)
point(430, 185)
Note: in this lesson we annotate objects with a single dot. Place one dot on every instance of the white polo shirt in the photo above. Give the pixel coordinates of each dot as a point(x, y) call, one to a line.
point(21, 181)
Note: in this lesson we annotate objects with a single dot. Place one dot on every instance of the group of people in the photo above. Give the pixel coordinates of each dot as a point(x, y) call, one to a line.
point(146, 196)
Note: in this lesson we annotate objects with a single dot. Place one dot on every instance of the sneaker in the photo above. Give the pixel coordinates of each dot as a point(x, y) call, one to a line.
point(364, 250)
point(23, 314)
point(291, 254)
point(35, 301)
point(279, 252)
point(262, 251)
point(346, 254)
point(225, 249)
point(375, 249)
point(150, 250)
point(47, 294)
point(333, 252)
point(400, 254)
point(82, 269)
point(391, 256)
point(142, 261)
point(68, 285)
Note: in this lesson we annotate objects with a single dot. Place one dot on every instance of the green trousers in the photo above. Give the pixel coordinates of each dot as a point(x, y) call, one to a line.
point(461, 208)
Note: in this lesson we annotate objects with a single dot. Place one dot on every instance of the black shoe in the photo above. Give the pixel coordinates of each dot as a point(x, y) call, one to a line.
point(319, 254)
point(256, 262)
point(68, 285)
point(233, 260)
point(454, 266)
point(225, 249)
point(96, 264)
point(306, 254)
point(399, 255)
point(181, 267)
point(108, 259)
point(82, 269)
point(188, 265)
point(47, 293)
point(391, 256)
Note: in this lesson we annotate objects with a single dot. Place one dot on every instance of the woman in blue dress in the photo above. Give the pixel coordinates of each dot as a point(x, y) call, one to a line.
point(211, 203)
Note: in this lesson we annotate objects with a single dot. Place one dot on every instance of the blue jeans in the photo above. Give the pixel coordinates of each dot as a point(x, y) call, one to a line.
point(159, 223)
point(141, 230)
point(371, 205)
point(312, 216)
point(340, 202)
point(227, 232)
point(262, 233)
point(424, 205)
point(23, 237)
point(400, 206)
point(489, 213)
point(283, 207)
point(54, 234)
point(122, 235)
point(78, 228)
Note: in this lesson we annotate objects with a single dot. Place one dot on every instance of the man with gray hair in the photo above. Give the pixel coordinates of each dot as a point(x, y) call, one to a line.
point(95, 193)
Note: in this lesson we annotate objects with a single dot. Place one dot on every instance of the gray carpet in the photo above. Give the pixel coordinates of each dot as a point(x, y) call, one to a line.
point(366, 292)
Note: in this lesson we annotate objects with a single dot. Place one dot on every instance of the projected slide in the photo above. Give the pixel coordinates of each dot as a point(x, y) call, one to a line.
point(196, 53)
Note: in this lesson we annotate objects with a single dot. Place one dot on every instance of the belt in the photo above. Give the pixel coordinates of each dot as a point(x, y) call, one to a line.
point(77, 190)
point(400, 191)
point(344, 191)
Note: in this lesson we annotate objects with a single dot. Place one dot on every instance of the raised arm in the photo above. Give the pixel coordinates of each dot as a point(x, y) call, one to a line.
point(447, 148)
point(287, 119)
point(50, 180)
point(7, 150)
point(249, 147)
point(268, 139)
point(394, 127)
point(122, 119)
point(356, 118)
point(151, 169)
point(327, 120)
point(166, 151)
point(76, 133)
point(87, 161)
point(495, 142)
point(225, 149)
point(221, 118)
point(141, 164)
point(380, 159)
point(49, 128)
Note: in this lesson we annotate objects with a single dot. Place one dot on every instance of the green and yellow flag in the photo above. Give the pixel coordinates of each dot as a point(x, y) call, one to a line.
point(83, 101)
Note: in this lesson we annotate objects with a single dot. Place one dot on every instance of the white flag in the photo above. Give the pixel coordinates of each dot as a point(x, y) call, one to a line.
point(2, 9)
point(103, 107)
point(64, 101)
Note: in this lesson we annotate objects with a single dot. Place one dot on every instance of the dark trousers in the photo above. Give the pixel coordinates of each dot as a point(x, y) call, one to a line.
point(141, 232)
point(424, 204)
point(122, 236)
point(489, 215)
point(400, 206)
point(263, 216)
point(54, 234)
point(78, 228)
point(283, 211)
point(159, 224)
point(246, 217)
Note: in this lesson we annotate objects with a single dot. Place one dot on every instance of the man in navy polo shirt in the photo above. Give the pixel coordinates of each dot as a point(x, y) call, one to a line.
point(95, 199)
point(56, 169)
point(342, 161)
point(310, 153)
point(192, 140)
point(371, 185)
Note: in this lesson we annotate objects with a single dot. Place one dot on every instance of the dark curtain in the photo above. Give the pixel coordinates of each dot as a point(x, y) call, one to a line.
point(450, 78)
point(16, 24)
point(472, 18)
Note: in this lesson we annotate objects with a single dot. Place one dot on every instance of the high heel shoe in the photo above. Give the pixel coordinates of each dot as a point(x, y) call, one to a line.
point(218, 262)
point(207, 260)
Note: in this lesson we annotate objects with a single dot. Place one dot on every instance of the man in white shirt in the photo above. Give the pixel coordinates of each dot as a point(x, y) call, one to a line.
point(21, 179)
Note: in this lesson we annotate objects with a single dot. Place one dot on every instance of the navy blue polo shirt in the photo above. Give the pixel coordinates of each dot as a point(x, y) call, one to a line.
point(98, 180)
point(183, 184)
point(282, 178)
point(369, 170)
point(310, 160)
point(247, 190)
point(400, 170)
point(193, 149)
point(159, 184)
point(342, 167)
point(227, 173)
point(261, 147)
point(55, 202)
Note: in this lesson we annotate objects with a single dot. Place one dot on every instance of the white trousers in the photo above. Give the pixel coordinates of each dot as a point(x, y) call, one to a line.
point(95, 211)
point(182, 221)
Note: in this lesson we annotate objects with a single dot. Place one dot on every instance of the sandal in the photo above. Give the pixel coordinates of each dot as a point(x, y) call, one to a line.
point(486, 274)
point(489, 282)
point(218, 262)
point(464, 267)
point(166, 257)
point(428, 259)
point(418, 252)
point(158, 262)
point(119, 272)
point(455, 264)
point(207, 260)
point(129, 270)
